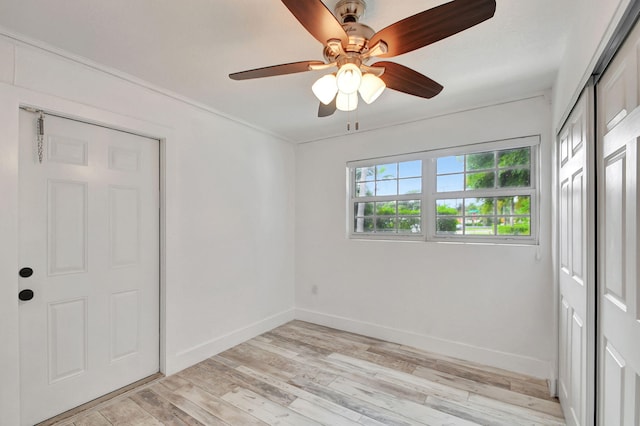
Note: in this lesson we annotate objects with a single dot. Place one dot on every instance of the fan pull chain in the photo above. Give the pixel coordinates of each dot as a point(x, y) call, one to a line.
point(357, 123)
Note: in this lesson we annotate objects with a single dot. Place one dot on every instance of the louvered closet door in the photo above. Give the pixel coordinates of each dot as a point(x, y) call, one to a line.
point(618, 224)
point(89, 231)
point(577, 294)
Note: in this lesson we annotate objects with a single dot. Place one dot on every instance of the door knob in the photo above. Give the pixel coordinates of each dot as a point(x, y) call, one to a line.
point(25, 295)
point(25, 272)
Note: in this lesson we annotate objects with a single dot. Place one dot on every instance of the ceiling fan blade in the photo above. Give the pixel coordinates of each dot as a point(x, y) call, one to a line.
point(432, 25)
point(318, 20)
point(403, 79)
point(274, 70)
point(327, 110)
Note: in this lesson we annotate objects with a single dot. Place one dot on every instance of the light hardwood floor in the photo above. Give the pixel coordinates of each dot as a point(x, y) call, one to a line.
point(305, 374)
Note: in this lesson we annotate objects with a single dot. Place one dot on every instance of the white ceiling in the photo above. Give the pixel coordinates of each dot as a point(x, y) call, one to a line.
point(190, 46)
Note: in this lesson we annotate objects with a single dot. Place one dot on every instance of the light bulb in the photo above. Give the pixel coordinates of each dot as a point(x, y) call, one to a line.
point(371, 87)
point(349, 78)
point(325, 88)
point(347, 101)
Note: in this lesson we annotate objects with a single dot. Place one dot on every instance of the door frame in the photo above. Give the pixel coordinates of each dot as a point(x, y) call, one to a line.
point(587, 96)
point(11, 100)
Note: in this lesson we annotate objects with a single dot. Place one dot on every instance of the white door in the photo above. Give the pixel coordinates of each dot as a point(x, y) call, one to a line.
point(576, 272)
point(89, 231)
point(618, 284)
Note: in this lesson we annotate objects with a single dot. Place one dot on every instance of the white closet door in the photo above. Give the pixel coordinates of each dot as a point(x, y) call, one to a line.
point(575, 272)
point(89, 232)
point(618, 285)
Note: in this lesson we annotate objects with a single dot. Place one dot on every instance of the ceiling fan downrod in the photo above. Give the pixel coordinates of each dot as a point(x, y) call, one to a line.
point(350, 10)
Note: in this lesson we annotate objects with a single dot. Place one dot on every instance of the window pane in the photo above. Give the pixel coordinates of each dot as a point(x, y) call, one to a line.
point(409, 208)
point(449, 183)
point(453, 164)
point(514, 225)
point(449, 207)
point(480, 161)
point(410, 186)
point(448, 225)
point(408, 225)
point(365, 189)
point(363, 224)
point(480, 180)
point(514, 157)
point(514, 177)
point(386, 224)
point(518, 205)
point(387, 208)
point(387, 171)
point(473, 207)
point(363, 209)
point(522, 205)
point(480, 206)
point(387, 187)
point(365, 174)
point(479, 226)
point(410, 169)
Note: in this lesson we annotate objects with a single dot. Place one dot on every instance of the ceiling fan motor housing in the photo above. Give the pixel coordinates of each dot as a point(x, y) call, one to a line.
point(348, 13)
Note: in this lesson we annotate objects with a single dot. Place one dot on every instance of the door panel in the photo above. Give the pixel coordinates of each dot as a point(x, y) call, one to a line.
point(575, 275)
point(89, 229)
point(619, 337)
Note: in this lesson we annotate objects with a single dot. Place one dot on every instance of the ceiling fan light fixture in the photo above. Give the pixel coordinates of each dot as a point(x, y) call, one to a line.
point(371, 87)
point(325, 88)
point(349, 78)
point(347, 101)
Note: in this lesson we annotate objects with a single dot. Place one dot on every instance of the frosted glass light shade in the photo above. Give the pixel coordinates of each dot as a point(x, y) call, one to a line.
point(347, 101)
point(349, 78)
point(325, 88)
point(371, 87)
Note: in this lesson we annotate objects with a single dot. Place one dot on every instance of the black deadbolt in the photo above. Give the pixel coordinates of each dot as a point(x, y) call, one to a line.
point(25, 295)
point(25, 272)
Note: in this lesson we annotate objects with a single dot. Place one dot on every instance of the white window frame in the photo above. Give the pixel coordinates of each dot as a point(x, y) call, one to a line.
point(429, 193)
point(352, 199)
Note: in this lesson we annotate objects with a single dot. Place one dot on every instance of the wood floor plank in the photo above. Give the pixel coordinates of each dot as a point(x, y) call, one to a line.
point(266, 390)
point(499, 394)
point(299, 393)
point(127, 412)
point(211, 381)
point(189, 407)
point(307, 374)
point(92, 419)
point(488, 404)
point(363, 407)
point(266, 410)
point(410, 410)
point(162, 409)
point(320, 414)
point(219, 408)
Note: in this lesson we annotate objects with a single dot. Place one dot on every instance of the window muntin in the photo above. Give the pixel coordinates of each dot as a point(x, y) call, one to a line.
point(477, 193)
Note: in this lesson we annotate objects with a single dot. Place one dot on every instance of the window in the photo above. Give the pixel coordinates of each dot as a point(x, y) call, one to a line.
point(388, 198)
point(483, 192)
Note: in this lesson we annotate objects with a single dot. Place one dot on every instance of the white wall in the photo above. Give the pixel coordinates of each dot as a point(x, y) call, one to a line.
point(593, 25)
point(488, 303)
point(229, 265)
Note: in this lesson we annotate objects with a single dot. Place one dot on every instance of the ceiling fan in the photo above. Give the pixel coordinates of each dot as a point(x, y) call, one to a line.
point(349, 45)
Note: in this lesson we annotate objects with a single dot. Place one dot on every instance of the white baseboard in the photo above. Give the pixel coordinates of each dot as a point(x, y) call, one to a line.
point(507, 361)
point(202, 351)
